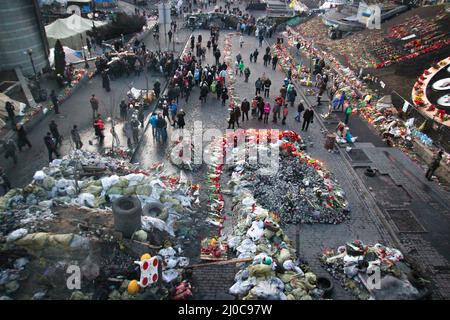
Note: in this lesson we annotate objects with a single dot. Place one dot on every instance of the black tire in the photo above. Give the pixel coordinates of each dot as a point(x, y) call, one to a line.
point(325, 284)
point(127, 213)
point(155, 209)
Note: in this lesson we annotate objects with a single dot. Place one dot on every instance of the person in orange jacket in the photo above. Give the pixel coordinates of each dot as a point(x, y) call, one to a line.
point(99, 127)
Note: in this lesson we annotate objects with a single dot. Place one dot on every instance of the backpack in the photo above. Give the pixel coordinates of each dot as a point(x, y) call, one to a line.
point(213, 86)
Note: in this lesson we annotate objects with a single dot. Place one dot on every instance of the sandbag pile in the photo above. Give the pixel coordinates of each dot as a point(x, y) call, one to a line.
point(61, 183)
point(274, 273)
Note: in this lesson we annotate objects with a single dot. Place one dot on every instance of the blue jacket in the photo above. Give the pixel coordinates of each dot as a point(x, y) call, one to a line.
point(153, 120)
point(173, 108)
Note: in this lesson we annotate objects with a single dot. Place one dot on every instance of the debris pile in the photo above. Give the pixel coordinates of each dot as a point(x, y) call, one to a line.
point(305, 191)
point(373, 272)
point(274, 271)
point(64, 217)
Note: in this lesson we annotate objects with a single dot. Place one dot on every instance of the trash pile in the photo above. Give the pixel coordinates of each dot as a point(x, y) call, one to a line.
point(373, 272)
point(182, 155)
point(274, 272)
point(67, 207)
point(305, 191)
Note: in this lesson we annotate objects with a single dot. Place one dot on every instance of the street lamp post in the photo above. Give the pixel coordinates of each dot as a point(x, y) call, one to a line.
point(30, 54)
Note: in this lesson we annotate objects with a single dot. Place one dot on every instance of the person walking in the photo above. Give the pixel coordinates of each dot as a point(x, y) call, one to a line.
point(4, 181)
point(237, 115)
point(180, 119)
point(241, 41)
point(231, 119)
point(291, 96)
point(123, 107)
point(22, 137)
point(245, 108)
point(255, 55)
point(161, 133)
point(50, 143)
point(267, 84)
point(342, 101)
point(173, 112)
point(106, 81)
point(260, 38)
point(274, 61)
point(247, 73)
point(10, 150)
point(153, 120)
point(170, 35)
point(241, 68)
point(217, 55)
point(266, 112)
point(55, 102)
point(11, 115)
point(276, 111)
point(224, 95)
point(53, 127)
point(434, 164)
point(348, 112)
point(308, 117)
point(135, 128)
point(99, 127)
point(285, 114)
point(94, 105)
point(76, 138)
point(300, 109)
point(258, 86)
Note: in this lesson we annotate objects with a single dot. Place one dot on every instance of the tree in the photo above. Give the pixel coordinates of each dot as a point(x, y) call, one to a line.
point(60, 58)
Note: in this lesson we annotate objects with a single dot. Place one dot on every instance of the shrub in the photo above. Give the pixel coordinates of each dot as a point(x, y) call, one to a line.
point(121, 24)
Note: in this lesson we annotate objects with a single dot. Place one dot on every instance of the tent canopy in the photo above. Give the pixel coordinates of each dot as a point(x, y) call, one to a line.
point(69, 30)
point(72, 56)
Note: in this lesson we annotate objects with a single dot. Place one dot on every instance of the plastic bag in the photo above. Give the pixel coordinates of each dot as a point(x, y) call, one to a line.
point(242, 287)
point(108, 182)
point(85, 199)
point(256, 231)
point(16, 234)
point(267, 290)
point(247, 246)
point(169, 275)
point(39, 175)
point(148, 223)
point(167, 252)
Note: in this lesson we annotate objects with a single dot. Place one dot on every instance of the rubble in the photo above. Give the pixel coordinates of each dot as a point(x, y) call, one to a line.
point(66, 212)
point(355, 265)
point(274, 272)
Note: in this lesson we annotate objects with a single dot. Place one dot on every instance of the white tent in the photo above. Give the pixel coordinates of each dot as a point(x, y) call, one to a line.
point(72, 56)
point(69, 30)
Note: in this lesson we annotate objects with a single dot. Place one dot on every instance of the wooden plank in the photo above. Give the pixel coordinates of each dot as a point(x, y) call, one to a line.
point(218, 263)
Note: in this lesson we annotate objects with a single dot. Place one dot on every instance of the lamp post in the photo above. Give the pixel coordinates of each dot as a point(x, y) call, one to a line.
point(30, 54)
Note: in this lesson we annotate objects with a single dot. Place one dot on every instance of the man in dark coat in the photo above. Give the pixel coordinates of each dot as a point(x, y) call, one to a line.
point(55, 101)
point(22, 138)
point(308, 117)
point(245, 108)
point(50, 143)
point(55, 133)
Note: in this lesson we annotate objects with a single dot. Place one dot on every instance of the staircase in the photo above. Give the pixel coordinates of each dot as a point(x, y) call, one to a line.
point(278, 8)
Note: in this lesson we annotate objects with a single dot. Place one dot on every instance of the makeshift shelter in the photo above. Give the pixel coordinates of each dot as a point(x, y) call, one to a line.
point(19, 108)
point(72, 56)
point(70, 30)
